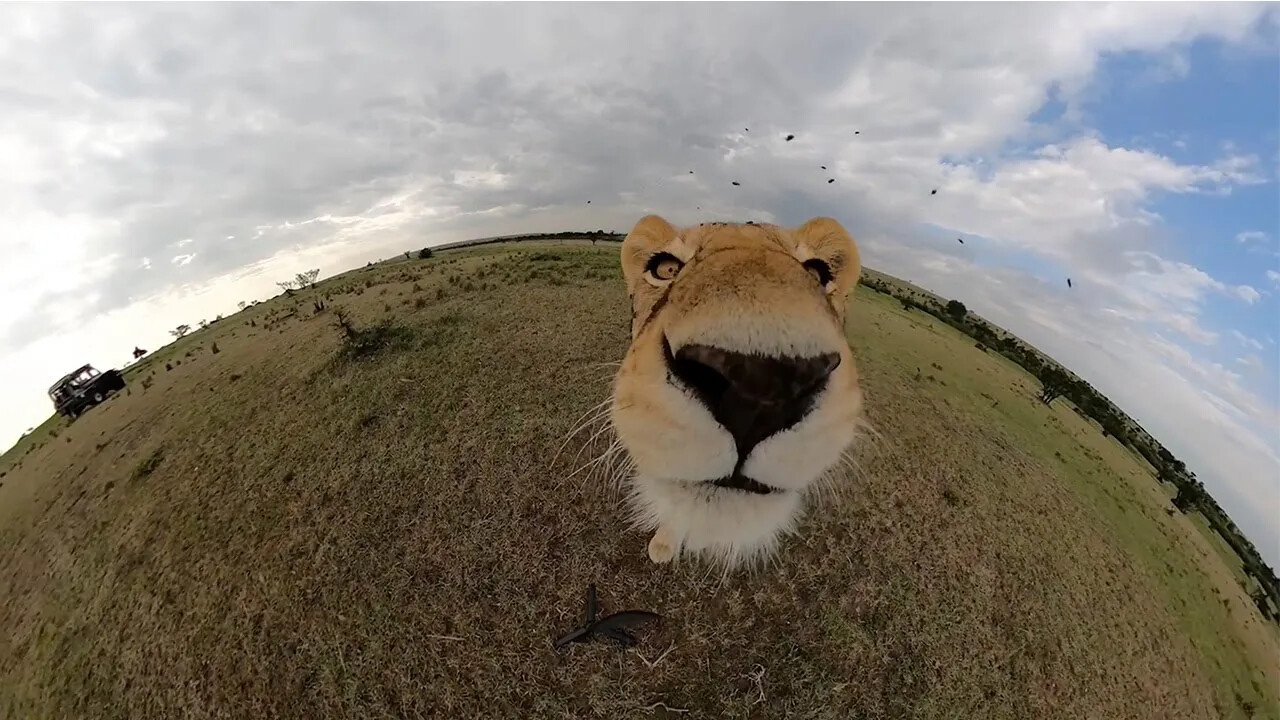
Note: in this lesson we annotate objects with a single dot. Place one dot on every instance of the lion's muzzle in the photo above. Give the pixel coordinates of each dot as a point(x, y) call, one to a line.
point(753, 396)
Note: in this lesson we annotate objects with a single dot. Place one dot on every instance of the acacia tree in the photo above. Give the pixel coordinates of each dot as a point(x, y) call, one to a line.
point(956, 309)
point(1190, 494)
point(306, 278)
point(1054, 383)
point(180, 330)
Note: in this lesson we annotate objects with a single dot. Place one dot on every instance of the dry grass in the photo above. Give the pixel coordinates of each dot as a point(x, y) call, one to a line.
point(383, 535)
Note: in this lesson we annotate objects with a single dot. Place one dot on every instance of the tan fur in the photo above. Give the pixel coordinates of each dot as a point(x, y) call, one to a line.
point(742, 288)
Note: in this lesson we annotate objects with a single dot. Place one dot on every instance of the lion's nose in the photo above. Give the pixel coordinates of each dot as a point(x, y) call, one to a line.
point(752, 396)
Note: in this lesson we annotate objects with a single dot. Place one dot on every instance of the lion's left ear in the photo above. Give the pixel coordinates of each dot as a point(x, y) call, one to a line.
point(828, 240)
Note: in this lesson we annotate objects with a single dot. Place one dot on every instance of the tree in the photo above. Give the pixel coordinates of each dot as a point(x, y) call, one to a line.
point(306, 279)
point(241, 304)
point(286, 286)
point(203, 323)
point(1054, 383)
point(1190, 494)
point(180, 331)
point(956, 309)
point(424, 254)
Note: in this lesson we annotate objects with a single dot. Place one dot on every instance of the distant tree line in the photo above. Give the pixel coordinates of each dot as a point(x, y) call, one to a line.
point(1058, 382)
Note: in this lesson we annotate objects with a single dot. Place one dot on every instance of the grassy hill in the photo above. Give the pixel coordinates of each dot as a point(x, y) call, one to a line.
point(317, 522)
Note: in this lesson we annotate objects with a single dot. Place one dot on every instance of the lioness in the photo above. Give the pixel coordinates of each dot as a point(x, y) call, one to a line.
point(739, 389)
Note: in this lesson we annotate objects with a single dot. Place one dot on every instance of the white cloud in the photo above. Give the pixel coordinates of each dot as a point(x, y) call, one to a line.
point(181, 260)
point(1246, 340)
point(1251, 236)
point(1274, 277)
point(1251, 362)
point(1246, 293)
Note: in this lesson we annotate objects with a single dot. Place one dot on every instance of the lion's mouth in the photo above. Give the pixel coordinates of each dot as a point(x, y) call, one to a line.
point(738, 481)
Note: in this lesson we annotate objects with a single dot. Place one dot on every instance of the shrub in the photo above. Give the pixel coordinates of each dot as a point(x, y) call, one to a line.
point(358, 342)
point(424, 254)
point(148, 465)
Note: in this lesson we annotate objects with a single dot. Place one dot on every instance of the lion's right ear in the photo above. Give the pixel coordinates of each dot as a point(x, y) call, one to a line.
point(649, 235)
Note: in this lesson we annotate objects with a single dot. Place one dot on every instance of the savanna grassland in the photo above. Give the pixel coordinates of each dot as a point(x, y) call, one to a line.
point(282, 518)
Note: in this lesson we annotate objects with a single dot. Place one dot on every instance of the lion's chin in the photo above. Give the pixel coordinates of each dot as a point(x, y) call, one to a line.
point(724, 524)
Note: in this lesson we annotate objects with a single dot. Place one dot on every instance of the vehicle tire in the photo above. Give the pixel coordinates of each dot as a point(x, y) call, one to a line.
point(97, 397)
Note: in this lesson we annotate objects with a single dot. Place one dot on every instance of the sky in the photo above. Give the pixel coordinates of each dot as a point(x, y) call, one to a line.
point(160, 163)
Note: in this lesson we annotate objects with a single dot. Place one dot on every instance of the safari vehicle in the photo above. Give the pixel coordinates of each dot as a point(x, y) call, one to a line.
point(80, 390)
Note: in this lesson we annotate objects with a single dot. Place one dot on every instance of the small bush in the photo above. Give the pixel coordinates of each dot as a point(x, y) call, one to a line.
point(440, 293)
point(360, 342)
point(417, 287)
point(419, 303)
point(148, 465)
point(214, 349)
point(950, 496)
point(424, 254)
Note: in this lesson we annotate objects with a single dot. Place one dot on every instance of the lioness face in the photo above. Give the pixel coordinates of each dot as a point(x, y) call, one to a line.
point(739, 389)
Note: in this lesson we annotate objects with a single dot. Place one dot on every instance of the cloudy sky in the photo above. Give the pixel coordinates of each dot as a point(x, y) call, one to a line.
point(160, 163)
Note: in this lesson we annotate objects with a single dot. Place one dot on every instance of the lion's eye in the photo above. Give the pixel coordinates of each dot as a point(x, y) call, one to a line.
point(819, 270)
point(663, 266)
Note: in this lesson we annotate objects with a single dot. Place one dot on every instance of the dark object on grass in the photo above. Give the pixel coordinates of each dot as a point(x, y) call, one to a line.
point(824, 167)
point(1068, 282)
point(857, 132)
point(960, 240)
point(933, 191)
point(790, 138)
point(690, 172)
point(610, 627)
point(588, 202)
point(736, 183)
point(831, 181)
